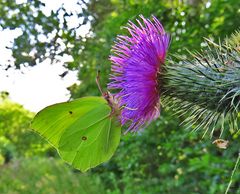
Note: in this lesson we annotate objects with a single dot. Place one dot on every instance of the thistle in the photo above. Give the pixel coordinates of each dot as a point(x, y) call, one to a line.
point(206, 88)
point(136, 62)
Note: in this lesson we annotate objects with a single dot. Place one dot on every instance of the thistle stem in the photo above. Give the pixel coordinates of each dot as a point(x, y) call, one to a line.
point(233, 172)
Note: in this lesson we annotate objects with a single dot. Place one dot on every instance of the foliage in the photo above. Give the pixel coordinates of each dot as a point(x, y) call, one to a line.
point(43, 35)
point(16, 138)
point(42, 175)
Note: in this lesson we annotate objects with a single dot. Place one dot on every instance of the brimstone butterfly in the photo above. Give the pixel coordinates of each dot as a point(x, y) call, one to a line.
point(86, 131)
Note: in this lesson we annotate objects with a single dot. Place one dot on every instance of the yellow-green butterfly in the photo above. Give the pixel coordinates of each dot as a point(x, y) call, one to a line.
point(86, 131)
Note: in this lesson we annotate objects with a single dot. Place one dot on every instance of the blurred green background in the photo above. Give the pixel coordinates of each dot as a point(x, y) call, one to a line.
point(164, 158)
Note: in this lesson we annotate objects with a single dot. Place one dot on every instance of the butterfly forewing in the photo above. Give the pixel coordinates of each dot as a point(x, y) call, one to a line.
point(52, 121)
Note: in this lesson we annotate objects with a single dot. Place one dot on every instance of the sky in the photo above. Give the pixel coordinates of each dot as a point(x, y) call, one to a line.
point(39, 86)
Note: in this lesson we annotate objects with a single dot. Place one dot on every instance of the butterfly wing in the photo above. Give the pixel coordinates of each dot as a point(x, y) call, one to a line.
point(53, 120)
point(87, 148)
point(83, 131)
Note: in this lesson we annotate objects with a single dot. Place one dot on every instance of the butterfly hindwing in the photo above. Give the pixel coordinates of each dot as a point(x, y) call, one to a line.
point(88, 153)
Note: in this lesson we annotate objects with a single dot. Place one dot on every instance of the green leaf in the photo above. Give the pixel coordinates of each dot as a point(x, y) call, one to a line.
point(84, 131)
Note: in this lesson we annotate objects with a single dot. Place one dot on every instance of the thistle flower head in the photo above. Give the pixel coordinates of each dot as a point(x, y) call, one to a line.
point(136, 63)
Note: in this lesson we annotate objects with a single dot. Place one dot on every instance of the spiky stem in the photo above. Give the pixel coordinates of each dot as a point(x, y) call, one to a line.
point(233, 172)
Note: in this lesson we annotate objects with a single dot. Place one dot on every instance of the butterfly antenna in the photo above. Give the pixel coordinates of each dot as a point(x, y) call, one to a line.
point(104, 94)
point(98, 83)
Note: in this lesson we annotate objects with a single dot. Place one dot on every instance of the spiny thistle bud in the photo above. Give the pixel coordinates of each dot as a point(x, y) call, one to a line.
point(207, 87)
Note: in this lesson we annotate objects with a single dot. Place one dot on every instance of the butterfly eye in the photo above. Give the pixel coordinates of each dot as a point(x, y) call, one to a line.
point(221, 143)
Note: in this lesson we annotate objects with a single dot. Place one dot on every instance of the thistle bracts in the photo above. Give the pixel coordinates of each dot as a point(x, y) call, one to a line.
point(206, 86)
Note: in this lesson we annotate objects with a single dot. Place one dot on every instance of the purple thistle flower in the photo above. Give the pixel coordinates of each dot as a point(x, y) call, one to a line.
point(136, 64)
